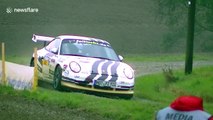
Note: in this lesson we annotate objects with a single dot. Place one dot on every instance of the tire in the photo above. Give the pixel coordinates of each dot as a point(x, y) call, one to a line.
point(32, 62)
point(57, 78)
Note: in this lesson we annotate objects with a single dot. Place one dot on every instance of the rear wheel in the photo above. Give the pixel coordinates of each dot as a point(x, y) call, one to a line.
point(57, 78)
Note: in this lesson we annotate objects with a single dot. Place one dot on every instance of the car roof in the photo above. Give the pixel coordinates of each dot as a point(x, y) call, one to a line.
point(82, 38)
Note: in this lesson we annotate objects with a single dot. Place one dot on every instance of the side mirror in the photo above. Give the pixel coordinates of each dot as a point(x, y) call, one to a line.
point(54, 50)
point(120, 57)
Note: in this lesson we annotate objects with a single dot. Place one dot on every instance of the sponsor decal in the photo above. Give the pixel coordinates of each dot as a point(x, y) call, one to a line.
point(66, 73)
point(52, 60)
point(45, 62)
point(48, 55)
point(76, 76)
point(92, 42)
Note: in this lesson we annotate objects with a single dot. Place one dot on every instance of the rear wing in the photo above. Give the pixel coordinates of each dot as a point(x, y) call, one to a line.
point(41, 38)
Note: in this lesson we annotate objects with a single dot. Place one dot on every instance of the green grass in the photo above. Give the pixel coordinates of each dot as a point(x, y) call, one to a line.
point(24, 60)
point(117, 109)
point(152, 93)
point(198, 83)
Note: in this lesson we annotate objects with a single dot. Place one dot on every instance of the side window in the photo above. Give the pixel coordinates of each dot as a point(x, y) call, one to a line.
point(54, 45)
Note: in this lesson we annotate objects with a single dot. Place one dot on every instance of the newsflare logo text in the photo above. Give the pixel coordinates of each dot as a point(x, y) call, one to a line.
point(22, 10)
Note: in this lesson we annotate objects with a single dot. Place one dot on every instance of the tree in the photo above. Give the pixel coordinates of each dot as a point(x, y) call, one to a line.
point(171, 11)
point(173, 14)
point(204, 14)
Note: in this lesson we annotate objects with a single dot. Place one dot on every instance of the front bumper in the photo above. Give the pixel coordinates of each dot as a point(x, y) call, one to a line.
point(96, 89)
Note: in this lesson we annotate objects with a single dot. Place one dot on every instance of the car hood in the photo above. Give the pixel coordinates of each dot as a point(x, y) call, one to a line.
point(96, 66)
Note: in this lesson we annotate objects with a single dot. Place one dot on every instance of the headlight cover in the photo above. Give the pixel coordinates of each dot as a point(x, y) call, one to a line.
point(75, 67)
point(128, 73)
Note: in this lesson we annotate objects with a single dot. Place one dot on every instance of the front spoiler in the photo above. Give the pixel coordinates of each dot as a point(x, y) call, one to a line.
point(114, 91)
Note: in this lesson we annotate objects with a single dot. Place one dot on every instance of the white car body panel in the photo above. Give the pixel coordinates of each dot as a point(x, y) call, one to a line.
point(94, 71)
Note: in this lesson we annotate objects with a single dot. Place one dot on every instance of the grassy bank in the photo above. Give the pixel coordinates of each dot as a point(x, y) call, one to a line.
point(152, 92)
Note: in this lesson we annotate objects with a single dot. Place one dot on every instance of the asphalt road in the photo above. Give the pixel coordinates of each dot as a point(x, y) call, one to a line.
point(144, 68)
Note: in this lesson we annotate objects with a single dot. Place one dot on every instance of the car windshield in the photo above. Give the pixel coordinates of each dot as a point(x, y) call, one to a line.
point(95, 49)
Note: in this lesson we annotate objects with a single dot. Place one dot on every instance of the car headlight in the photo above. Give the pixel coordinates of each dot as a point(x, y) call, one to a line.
point(75, 67)
point(128, 73)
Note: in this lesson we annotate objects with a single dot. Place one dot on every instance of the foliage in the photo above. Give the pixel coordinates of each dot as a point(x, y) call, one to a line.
point(174, 13)
point(168, 74)
point(205, 14)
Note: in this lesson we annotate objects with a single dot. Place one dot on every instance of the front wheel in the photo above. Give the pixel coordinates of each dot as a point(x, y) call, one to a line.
point(57, 78)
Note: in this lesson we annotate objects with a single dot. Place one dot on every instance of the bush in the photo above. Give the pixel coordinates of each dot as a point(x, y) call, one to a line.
point(168, 74)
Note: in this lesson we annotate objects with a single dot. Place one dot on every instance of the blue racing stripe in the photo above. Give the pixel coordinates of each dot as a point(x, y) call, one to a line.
point(104, 73)
point(114, 71)
point(94, 71)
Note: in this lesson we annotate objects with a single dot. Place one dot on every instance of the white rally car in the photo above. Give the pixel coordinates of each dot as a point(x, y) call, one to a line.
point(83, 63)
